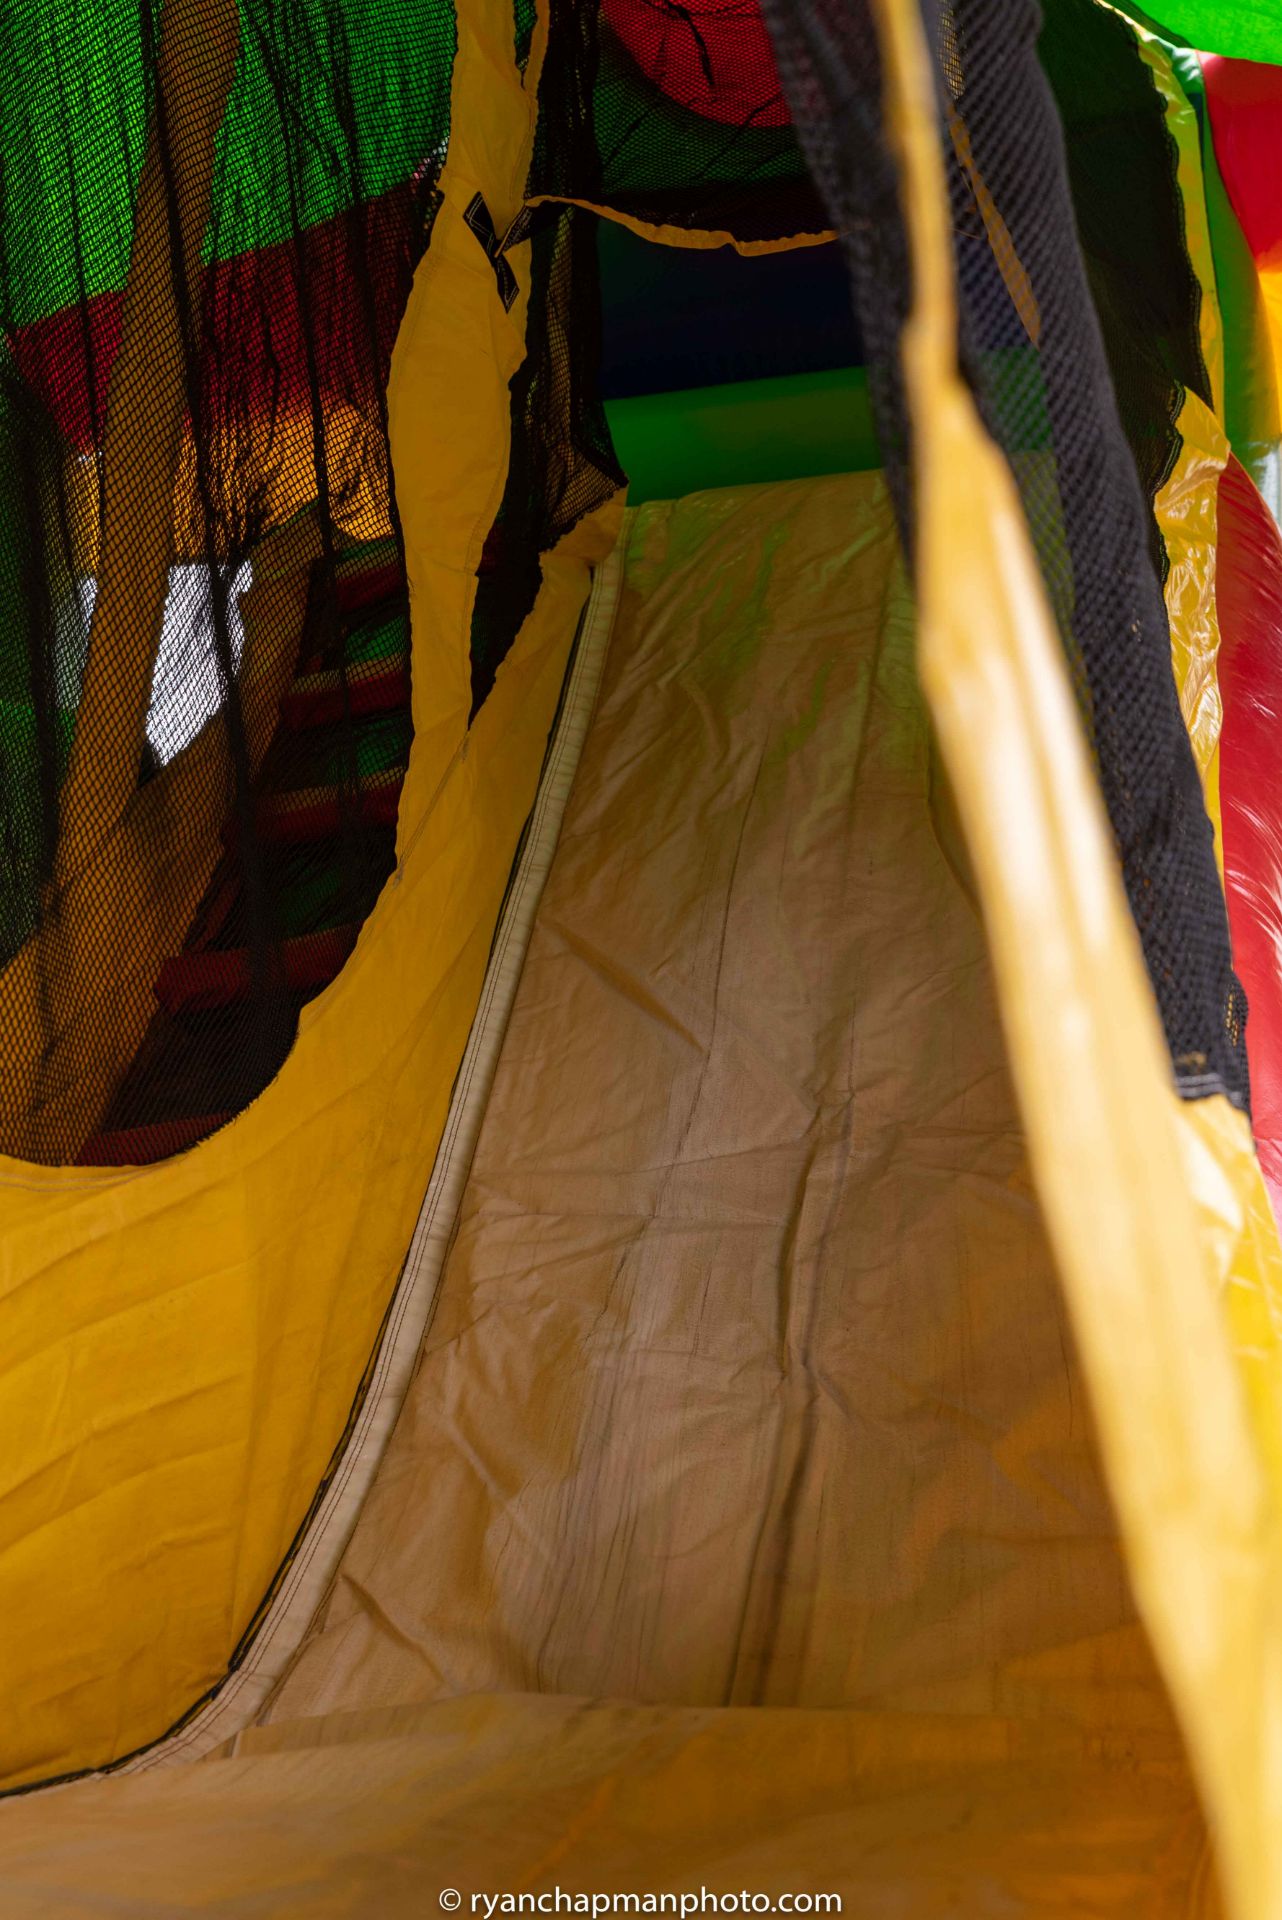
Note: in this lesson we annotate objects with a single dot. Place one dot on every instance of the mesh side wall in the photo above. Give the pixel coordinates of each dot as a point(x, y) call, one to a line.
point(203, 648)
point(1032, 346)
point(1121, 167)
point(562, 463)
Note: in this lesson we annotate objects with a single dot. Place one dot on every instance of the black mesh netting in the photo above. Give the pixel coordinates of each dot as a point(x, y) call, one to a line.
point(210, 217)
point(1079, 335)
point(204, 661)
point(561, 465)
point(672, 116)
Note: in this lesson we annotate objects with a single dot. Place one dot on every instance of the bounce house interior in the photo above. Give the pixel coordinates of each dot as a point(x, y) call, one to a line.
point(641, 958)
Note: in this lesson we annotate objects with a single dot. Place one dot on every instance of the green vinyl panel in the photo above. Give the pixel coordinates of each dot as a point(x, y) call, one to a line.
point(786, 428)
point(1243, 29)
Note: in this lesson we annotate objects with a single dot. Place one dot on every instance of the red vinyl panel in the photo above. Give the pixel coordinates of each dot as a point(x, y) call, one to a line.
point(713, 56)
point(1249, 604)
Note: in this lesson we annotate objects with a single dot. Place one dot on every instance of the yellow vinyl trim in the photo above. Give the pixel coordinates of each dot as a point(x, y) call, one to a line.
point(1153, 1207)
point(700, 238)
point(182, 1343)
point(1186, 507)
point(1187, 512)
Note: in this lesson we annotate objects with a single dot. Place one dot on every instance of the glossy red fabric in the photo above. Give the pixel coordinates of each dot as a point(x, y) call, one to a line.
point(713, 56)
point(1245, 98)
point(1249, 604)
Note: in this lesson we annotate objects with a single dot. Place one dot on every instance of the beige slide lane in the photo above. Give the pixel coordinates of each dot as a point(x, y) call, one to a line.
point(749, 1380)
point(742, 1529)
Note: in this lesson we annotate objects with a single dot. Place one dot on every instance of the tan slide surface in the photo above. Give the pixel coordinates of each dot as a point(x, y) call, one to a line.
point(749, 1385)
point(749, 1381)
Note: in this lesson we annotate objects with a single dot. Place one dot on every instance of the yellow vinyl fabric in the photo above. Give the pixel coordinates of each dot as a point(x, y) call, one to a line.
point(1186, 506)
point(1156, 1245)
point(1187, 512)
point(700, 238)
point(845, 1452)
point(180, 1346)
point(748, 1408)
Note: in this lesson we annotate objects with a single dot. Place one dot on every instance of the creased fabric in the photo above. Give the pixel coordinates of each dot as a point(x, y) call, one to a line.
point(749, 1380)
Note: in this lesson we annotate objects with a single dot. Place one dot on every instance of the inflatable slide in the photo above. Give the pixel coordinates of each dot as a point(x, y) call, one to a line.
point(639, 970)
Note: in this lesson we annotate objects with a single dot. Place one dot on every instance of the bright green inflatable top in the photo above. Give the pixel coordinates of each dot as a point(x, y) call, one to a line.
point(1244, 29)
